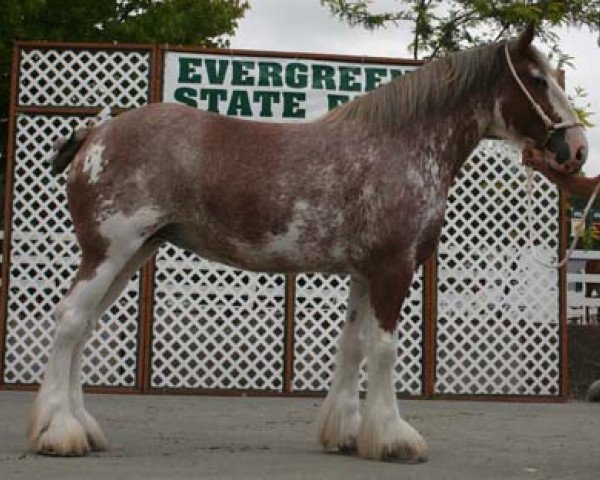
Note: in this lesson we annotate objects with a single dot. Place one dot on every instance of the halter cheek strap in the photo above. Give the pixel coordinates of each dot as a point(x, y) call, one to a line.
point(550, 125)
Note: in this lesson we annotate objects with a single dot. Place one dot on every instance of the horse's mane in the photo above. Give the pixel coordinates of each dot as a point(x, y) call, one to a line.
point(441, 83)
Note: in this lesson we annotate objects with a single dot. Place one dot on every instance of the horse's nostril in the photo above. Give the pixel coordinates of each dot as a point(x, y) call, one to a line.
point(581, 155)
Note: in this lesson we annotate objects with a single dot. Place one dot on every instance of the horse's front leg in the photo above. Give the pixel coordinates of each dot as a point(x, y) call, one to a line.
point(339, 417)
point(383, 433)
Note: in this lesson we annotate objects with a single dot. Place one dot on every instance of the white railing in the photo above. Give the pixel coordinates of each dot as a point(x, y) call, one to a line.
point(581, 309)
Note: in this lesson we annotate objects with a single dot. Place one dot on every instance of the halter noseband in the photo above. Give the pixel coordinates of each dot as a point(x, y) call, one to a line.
point(551, 127)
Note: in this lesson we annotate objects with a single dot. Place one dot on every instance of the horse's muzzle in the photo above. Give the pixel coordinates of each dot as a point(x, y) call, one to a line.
point(569, 148)
point(557, 144)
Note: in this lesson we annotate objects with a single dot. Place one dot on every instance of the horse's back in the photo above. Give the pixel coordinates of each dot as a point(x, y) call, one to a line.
point(174, 135)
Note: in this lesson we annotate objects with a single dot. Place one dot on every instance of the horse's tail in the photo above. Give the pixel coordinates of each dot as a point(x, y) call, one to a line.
point(65, 149)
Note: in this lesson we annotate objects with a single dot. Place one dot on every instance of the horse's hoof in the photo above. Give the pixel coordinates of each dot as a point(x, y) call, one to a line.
point(338, 427)
point(348, 449)
point(63, 435)
point(95, 435)
point(404, 453)
point(392, 442)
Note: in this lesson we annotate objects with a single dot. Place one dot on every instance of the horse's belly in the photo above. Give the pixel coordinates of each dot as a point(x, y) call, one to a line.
point(275, 258)
point(273, 253)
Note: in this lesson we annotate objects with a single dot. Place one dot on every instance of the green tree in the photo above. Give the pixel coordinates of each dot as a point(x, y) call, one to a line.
point(192, 22)
point(440, 27)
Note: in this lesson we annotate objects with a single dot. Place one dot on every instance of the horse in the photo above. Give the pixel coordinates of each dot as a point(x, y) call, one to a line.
point(361, 190)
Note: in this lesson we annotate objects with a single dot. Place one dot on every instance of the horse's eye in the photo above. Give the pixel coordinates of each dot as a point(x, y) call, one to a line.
point(540, 81)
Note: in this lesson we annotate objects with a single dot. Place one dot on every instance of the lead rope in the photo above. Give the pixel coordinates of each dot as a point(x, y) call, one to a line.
point(578, 232)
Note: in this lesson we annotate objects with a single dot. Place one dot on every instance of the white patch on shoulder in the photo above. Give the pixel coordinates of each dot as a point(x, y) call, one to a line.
point(368, 192)
point(287, 243)
point(93, 161)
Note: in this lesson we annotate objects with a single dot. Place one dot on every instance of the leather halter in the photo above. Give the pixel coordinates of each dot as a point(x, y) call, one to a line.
point(551, 127)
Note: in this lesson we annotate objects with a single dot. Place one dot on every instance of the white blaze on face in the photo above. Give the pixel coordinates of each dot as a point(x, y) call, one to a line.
point(559, 101)
point(93, 162)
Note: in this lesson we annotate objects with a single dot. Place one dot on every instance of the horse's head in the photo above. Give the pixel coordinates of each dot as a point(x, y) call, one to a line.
point(533, 110)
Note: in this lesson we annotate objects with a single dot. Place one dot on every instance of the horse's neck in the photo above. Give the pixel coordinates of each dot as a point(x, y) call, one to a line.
point(456, 133)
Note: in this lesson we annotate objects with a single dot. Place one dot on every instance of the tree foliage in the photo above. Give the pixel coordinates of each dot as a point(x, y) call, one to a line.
point(442, 26)
point(193, 22)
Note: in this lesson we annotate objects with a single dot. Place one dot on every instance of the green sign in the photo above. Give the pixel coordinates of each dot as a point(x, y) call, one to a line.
point(265, 88)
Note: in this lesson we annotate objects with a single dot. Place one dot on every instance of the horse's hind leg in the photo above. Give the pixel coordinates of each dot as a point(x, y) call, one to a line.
point(339, 417)
point(59, 424)
point(383, 433)
point(53, 427)
point(96, 438)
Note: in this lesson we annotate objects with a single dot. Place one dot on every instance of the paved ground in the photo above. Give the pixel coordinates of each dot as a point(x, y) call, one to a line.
point(177, 437)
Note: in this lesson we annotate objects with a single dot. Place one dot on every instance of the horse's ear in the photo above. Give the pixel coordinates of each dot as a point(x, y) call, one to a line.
point(526, 37)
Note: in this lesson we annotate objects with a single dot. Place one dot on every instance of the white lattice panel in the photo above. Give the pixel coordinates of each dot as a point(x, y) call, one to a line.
point(84, 78)
point(498, 325)
point(214, 326)
point(44, 257)
point(321, 304)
